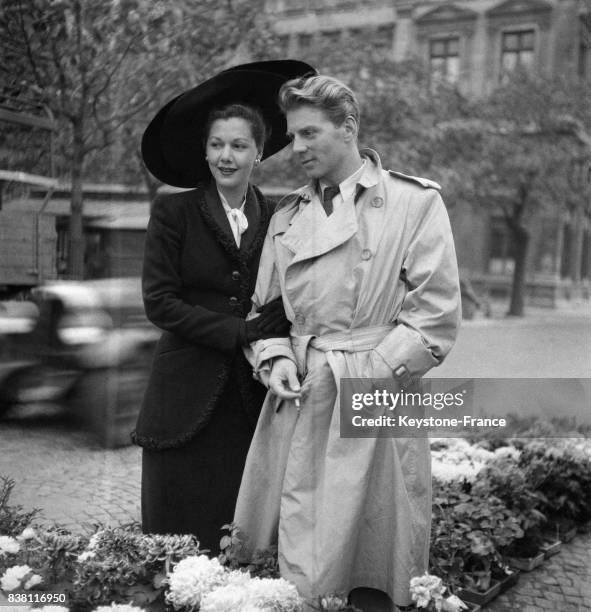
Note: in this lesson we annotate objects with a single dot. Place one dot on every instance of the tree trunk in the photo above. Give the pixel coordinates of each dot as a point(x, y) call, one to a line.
point(76, 254)
point(520, 248)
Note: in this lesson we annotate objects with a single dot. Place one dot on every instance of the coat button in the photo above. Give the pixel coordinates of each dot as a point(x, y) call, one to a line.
point(300, 319)
point(233, 300)
point(377, 202)
point(236, 275)
point(366, 254)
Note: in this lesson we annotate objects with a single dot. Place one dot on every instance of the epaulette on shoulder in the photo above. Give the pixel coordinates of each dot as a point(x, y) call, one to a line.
point(423, 182)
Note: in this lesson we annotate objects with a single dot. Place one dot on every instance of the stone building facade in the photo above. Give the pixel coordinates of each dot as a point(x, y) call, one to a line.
point(474, 44)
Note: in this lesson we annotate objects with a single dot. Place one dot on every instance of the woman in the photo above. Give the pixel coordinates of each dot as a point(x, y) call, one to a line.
point(201, 256)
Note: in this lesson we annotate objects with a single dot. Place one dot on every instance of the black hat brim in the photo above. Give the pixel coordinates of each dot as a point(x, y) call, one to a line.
point(172, 145)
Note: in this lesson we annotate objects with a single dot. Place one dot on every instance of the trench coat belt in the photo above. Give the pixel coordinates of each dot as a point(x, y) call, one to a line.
point(352, 340)
point(349, 341)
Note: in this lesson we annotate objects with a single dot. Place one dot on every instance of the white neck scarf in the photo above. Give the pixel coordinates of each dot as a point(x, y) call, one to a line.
point(236, 217)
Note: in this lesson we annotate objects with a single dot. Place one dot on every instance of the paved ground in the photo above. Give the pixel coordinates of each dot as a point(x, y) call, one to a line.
point(62, 470)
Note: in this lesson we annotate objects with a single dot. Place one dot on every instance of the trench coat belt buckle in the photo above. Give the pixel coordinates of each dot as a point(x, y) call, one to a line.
point(352, 340)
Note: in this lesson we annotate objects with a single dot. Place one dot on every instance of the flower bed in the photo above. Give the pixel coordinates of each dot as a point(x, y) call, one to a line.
point(489, 504)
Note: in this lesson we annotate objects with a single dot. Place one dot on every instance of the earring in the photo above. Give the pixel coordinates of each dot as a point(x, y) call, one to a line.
point(257, 161)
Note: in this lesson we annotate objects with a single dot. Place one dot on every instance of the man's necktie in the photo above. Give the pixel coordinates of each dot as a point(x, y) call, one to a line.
point(327, 196)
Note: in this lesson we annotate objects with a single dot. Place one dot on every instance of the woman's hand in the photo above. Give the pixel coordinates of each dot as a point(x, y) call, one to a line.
point(283, 381)
point(272, 319)
point(271, 323)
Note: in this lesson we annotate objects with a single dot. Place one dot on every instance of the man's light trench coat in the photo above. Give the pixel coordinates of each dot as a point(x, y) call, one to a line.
point(370, 288)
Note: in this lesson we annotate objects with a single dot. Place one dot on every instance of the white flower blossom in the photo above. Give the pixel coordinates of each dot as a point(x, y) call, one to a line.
point(253, 595)
point(8, 545)
point(34, 580)
point(453, 604)
point(95, 540)
point(192, 578)
point(274, 594)
point(228, 598)
point(426, 588)
point(507, 452)
point(13, 577)
point(28, 534)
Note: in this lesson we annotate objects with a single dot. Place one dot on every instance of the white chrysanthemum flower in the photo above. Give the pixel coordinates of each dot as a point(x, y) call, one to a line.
point(507, 452)
point(85, 556)
point(34, 580)
point(448, 472)
point(114, 607)
point(28, 534)
point(453, 604)
point(13, 577)
point(274, 594)
point(228, 598)
point(8, 545)
point(192, 578)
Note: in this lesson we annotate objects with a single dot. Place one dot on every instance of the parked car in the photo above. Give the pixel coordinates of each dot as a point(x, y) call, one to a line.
point(90, 348)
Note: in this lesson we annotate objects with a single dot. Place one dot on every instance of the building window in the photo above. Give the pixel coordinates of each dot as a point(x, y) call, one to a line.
point(304, 42)
point(384, 37)
point(444, 59)
point(331, 37)
point(518, 50)
point(283, 43)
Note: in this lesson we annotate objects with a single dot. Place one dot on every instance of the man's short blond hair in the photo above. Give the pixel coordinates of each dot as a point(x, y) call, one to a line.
point(323, 92)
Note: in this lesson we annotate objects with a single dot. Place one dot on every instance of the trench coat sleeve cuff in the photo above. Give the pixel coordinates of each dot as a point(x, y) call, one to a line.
point(404, 346)
point(265, 350)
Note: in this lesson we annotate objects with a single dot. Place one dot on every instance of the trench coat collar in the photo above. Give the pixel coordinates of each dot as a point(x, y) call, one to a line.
point(311, 233)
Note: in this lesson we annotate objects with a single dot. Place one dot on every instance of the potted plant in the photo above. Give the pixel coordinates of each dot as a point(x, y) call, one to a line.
point(480, 587)
point(563, 477)
point(507, 576)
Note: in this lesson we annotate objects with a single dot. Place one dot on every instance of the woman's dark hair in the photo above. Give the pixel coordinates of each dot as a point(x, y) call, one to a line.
point(254, 117)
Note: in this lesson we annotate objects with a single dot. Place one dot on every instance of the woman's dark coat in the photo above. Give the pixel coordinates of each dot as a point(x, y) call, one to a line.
point(197, 286)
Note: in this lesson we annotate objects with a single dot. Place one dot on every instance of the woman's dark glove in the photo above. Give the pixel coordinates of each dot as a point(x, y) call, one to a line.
point(271, 323)
point(272, 318)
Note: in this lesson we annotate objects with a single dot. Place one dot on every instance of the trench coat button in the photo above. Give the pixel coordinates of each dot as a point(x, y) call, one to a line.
point(236, 275)
point(377, 202)
point(300, 319)
point(366, 254)
point(233, 300)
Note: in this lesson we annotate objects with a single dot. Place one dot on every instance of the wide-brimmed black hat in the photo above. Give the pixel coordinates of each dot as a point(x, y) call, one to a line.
point(172, 145)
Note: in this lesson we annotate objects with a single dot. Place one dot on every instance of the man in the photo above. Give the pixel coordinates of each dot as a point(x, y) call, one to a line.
point(369, 279)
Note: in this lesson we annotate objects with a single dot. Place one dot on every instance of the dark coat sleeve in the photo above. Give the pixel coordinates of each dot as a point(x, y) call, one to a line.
point(162, 286)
